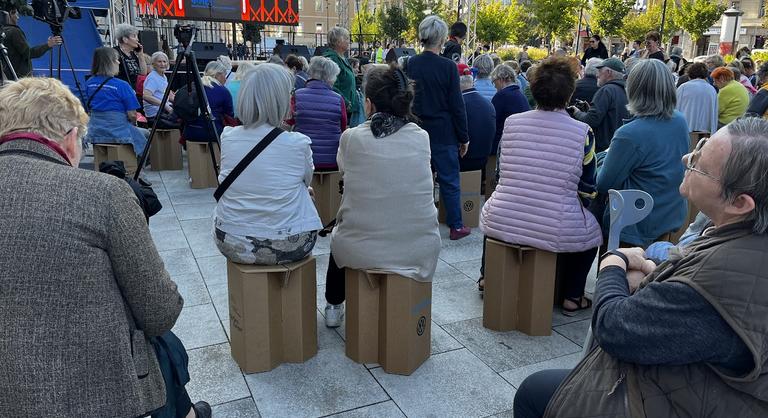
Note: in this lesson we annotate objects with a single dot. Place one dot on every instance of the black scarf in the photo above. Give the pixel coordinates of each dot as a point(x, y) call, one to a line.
point(385, 124)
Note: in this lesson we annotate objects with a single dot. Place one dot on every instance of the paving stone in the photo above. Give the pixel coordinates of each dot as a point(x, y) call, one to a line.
point(215, 377)
point(243, 408)
point(322, 246)
point(194, 211)
point(516, 376)
point(471, 268)
point(167, 208)
point(575, 331)
point(198, 326)
point(191, 197)
point(455, 301)
point(455, 384)
point(169, 240)
point(509, 350)
point(386, 409)
point(325, 384)
point(192, 289)
point(559, 319)
point(453, 253)
point(178, 262)
point(213, 269)
point(220, 298)
point(327, 337)
point(321, 264)
point(447, 273)
point(199, 234)
point(442, 341)
point(505, 414)
point(165, 222)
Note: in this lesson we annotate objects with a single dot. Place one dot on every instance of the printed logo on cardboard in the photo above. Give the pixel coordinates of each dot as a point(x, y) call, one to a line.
point(469, 205)
point(421, 325)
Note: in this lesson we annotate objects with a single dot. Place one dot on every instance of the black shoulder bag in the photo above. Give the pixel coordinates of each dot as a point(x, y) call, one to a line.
point(245, 162)
point(90, 99)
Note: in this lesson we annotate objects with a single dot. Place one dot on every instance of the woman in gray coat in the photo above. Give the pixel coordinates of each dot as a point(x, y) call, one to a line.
point(82, 287)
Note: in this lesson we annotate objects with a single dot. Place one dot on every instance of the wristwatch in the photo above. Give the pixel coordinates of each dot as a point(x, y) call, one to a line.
point(617, 253)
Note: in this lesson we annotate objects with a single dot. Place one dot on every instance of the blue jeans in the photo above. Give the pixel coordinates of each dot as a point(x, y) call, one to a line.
point(536, 391)
point(445, 161)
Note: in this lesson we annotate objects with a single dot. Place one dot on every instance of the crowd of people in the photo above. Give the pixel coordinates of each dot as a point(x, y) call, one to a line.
point(679, 327)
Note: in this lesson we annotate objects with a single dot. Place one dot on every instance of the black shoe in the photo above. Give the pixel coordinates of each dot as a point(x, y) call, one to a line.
point(202, 409)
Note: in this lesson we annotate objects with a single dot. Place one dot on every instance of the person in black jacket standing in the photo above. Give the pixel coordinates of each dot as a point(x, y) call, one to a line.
point(596, 49)
point(20, 54)
point(440, 107)
point(452, 49)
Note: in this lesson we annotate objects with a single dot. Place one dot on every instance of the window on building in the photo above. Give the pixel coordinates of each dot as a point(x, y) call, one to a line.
point(319, 5)
point(318, 28)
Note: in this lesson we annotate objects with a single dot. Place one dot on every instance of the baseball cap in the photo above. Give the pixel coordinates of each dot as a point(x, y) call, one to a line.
point(463, 69)
point(613, 63)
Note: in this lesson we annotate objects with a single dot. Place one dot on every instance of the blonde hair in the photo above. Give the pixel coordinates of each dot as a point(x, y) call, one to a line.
point(213, 68)
point(242, 69)
point(43, 106)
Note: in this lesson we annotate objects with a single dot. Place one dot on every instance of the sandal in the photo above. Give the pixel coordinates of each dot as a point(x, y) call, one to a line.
point(579, 302)
point(481, 284)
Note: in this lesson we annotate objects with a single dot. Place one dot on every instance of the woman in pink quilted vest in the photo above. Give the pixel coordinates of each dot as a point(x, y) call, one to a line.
point(547, 180)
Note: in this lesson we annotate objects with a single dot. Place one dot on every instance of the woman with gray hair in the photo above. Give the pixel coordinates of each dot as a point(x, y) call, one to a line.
point(483, 84)
point(586, 87)
point(272, 220)
point(645, 154)
point(154, 89)
point(219, 100)
point(131, 52)
point(338, 46)
point(112, 104)
point(320, 113)
point(439, 106)
point(507, 101)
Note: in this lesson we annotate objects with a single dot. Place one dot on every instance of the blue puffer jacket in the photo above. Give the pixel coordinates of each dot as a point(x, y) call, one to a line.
point(318, 116)
point(485, 87)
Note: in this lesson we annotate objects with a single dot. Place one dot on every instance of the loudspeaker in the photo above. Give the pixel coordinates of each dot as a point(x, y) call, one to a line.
point(209, 51)
point(320, 50)
point(298, 50)
point(148, 39)
point(396, 53)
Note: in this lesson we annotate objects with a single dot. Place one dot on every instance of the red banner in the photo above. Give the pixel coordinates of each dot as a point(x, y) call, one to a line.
point(272, 12)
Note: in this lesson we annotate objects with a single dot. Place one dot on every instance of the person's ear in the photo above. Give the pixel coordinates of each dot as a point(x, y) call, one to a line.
point(741, 206)
point(72, 147)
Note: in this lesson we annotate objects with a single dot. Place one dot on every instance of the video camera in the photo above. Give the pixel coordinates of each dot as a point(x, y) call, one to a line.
point(4, 18)
point(54, 13)
point(184, 33)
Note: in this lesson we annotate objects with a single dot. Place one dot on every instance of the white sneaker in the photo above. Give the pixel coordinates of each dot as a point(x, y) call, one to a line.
point(334, 314)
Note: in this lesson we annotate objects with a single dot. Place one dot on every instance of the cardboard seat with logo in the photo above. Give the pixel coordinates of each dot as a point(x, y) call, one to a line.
point(519, 288)
point(117, 152)
point(200, 165)
point(272, 314)
point(327, 194)
point(470, 185)
point(388, 320)
point(165, 151)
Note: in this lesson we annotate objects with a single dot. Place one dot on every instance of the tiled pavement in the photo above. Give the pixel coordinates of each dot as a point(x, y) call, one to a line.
point(473, 372)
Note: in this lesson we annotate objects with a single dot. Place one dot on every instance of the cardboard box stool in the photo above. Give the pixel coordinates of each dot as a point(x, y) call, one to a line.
point(116, 152)
point(388, 320)
point(519, 288)
point(200, 165)
point(471, 202)
point(272, 314)
point(327, 196)
point(165, 151)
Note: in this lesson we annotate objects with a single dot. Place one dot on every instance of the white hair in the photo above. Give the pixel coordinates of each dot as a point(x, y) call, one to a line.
point(211, 71)
point(265, 95)
point(124, 30)
point(336, 35)
point(304, 63)
point(432, 31)
point(243, 69)
point(484, 65)
point(466, 82)
point(323, 69)
point(651, 89)
point(224, 60)
point(157, 55)
point(505, 73)
point(591, 67)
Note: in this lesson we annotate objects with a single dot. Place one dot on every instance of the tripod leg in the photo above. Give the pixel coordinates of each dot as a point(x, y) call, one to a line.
point(71, 67)
point(205, 108)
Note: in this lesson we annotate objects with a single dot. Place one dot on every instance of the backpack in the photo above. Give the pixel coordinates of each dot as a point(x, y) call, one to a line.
point(186, 104)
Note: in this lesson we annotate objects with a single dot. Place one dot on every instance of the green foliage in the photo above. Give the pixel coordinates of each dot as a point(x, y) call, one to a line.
point(394, 23)
point(252, 32)
point(367, 21)
point(497, 23)
point(415, 11)
point(510, 53)
point(20, 5)
point(696, 16)
point(636, 25)
point(555, 17)
point(608, 15)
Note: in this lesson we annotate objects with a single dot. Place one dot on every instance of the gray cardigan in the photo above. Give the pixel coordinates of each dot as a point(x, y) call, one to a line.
point(82, 288)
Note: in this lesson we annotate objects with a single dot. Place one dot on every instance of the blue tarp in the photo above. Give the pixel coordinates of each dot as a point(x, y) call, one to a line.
point(91, 4)
point(81, 36)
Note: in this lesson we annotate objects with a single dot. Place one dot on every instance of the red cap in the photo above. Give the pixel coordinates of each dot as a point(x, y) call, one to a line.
point(464, 69)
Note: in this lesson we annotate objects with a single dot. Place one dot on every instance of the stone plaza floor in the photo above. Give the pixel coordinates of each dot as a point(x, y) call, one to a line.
point(473, 372)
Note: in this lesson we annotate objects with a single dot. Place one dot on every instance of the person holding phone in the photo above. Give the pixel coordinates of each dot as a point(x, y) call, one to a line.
point(132, 63)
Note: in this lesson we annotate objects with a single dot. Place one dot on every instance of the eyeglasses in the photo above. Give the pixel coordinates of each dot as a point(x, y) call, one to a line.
point(693, 158)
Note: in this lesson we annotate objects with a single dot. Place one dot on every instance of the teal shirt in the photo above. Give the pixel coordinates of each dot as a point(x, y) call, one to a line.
point(234, 89)
point(646, 154)
point(345, 81)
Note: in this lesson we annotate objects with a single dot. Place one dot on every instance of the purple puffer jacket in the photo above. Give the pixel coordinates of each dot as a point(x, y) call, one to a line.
point(537, 203)
point(318, 116)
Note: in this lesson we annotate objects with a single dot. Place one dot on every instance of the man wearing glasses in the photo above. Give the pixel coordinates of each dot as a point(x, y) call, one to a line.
point(688, 337)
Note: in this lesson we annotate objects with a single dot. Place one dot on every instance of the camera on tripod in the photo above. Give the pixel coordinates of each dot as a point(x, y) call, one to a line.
point(184, 33)
point(54, 13)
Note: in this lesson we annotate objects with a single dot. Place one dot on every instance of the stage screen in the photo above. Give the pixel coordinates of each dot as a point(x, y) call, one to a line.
point(276, 12)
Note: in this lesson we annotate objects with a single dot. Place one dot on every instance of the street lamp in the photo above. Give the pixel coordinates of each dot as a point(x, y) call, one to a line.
point(731, 16)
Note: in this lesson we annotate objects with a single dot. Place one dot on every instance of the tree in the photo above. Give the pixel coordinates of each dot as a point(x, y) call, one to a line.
point(696, 16)
point(555, 17)
point(367, 21)
point(636, 25)
point(498, 23)
point(394, 23)
point(417, 10)
point(608, 15)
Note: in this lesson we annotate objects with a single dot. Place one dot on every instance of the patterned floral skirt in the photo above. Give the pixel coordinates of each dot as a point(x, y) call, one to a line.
point(261, 251)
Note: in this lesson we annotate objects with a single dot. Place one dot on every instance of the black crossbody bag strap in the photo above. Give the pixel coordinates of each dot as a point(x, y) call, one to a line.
point(90, 99)
point(245, 162)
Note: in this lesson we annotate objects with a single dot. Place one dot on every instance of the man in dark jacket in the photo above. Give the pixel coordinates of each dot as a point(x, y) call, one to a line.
point(481, 124)
point(452, 49)
point(19, 52)
point(609, 105)
point(586, 87)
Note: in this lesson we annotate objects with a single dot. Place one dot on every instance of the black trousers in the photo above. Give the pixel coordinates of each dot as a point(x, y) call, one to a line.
point(334, 283)
point(572, 270)
point(536, 391)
